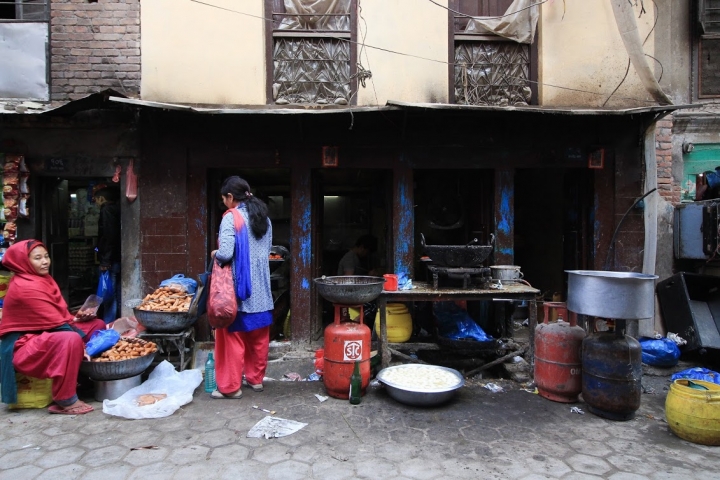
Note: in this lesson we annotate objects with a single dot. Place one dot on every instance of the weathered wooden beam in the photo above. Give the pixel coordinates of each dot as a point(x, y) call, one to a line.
point(495, 362)
point(403, 221)
point(406, 357)
point(301, 251)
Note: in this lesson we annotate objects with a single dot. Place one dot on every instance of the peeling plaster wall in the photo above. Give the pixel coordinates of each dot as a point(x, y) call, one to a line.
point(411, 27)
point(194, 53)
point(580, 48)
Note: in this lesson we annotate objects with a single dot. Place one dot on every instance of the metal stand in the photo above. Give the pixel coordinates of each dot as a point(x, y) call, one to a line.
point(169, 343)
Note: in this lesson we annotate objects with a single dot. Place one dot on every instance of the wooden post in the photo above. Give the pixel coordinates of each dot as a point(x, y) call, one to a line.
point(301, 288)
point(504, 252)
point(403, 222)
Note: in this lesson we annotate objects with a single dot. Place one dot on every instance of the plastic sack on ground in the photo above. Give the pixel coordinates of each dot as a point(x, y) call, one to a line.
point(454, 323)
point(698, 373)
point(100, 341)
point(187, 285)
point(178, 386)
point(660, 352)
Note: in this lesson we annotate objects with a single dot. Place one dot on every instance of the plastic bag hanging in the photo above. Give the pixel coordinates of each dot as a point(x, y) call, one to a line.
point(131, 183)
point(106, 289)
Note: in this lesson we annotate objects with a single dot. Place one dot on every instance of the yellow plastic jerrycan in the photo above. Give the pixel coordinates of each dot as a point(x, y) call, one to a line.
point(692, 408)
point(399, 323)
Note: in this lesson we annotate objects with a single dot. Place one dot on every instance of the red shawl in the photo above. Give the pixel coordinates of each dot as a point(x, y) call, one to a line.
point(33, 302)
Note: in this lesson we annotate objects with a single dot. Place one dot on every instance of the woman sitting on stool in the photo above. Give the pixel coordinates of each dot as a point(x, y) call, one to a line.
point(40, 337)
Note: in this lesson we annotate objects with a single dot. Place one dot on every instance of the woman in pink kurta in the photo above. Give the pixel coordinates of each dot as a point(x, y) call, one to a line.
point(40, 337)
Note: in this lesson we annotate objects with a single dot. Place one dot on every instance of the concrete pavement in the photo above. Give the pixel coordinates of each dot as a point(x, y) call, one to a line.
point(479, 434)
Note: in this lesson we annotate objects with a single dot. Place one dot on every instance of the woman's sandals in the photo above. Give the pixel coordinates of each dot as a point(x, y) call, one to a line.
point(217, 394)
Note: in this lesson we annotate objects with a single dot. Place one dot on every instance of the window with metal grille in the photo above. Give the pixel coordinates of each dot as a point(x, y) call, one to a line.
point(487, 69)
point(708, 49)
point(312, 53)
point(709, 16)
point(25, 10)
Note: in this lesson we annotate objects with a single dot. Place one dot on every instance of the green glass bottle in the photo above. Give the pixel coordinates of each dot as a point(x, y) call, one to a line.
point(356, 385)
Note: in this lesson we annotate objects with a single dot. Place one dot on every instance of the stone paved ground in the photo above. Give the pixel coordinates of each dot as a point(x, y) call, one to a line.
point(479, 434)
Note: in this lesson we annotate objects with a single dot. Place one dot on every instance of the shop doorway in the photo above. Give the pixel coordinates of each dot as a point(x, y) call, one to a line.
point(68, 222)
point(273, 187)
point(354, 205)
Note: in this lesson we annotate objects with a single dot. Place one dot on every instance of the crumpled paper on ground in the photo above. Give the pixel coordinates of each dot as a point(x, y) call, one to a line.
point(274, 427)
point(493, 387)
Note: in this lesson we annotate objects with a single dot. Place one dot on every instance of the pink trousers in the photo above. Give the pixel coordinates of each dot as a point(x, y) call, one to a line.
point(55, 355)
point(240, 352)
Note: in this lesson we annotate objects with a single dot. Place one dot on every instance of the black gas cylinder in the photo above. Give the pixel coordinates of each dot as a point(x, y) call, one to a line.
point(611, 375)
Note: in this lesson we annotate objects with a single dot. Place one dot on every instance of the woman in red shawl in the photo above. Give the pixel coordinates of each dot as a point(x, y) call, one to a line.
point(40, 337)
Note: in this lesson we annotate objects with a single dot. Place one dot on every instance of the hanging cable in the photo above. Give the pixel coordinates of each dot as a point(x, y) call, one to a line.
point(325, 34)
point(611, 248)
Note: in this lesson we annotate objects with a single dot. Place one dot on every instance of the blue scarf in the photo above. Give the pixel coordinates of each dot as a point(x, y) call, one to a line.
point(241, 257)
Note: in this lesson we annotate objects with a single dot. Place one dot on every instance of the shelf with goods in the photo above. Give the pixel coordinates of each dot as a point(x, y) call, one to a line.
point(14, 196)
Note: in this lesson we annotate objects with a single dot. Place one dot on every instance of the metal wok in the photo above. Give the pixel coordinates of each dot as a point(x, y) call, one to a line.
point(167, 322)
point(104, 371)
point(350, 289)
point(457, 255)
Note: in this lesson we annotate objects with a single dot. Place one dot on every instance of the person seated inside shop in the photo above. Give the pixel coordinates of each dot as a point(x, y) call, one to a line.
point(355, 261)
point(39, 337)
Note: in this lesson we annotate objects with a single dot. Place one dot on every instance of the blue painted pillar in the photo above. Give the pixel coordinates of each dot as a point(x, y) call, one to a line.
point(403, 221)
point(301, 298)
point(504, 216)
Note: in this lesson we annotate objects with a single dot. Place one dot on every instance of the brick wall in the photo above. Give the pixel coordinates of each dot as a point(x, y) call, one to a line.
point(667, 187)
point(94, 46)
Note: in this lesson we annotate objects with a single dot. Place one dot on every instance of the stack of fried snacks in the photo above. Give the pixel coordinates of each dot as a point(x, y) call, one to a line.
point(127, 349)
point(166, 299)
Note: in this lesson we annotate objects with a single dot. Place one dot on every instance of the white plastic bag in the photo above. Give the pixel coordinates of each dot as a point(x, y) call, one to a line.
point(178, 386)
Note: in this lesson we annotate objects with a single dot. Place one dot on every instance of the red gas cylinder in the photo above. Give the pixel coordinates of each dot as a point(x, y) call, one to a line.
point(346, 342)
point(558, 356)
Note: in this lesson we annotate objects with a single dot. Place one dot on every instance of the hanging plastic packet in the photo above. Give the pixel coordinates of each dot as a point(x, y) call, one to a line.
point(131, 183)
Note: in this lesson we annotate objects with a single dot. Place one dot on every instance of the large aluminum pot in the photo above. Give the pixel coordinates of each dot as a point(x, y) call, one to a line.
point(618, 295)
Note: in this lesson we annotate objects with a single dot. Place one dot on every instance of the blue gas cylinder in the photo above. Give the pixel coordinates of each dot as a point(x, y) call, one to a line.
point(611, 375)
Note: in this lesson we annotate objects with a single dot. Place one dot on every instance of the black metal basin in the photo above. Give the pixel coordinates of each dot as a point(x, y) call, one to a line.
point(349, 289)
point(167, 322)
point(456, 255)
point(104, 371)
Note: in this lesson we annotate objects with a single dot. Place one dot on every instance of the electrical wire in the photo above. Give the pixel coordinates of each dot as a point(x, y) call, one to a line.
point(611, 248)
point(662, 70)
point(326, 34)
point(501, 16)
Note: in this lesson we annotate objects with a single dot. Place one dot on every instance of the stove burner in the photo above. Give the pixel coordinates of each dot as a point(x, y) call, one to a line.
point(466, 274)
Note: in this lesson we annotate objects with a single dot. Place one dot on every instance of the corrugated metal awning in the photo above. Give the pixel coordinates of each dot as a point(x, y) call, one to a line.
point(539, 109)
point(394, 105)
point(254, 110)
point(88, 102)
point(104, 98)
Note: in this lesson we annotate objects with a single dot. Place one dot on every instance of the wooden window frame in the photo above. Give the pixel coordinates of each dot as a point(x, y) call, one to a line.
point(271, 33)
point(452, 37)
point(19, 4)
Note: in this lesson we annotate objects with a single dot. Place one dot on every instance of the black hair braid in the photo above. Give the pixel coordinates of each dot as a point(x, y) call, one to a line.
point(258, 216)
point(257, 209)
